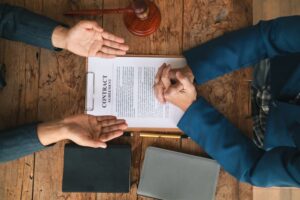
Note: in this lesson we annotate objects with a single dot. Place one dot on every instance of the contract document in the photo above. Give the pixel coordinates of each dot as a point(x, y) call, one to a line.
point(123, 87)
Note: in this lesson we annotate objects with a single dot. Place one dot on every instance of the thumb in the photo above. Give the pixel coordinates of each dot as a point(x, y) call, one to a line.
point(184, 80)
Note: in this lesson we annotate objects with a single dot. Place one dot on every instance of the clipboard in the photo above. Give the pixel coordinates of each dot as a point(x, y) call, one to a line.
point(90, 102)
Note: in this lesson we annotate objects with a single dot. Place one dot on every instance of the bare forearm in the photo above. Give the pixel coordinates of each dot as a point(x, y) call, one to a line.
point(51, 132)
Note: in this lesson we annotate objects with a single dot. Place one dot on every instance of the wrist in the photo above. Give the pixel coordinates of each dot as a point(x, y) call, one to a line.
point(51, 132)
point(186, 106)
point(59, 37)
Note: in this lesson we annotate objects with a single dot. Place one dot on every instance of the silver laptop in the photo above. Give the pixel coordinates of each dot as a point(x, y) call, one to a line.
point(171, 175)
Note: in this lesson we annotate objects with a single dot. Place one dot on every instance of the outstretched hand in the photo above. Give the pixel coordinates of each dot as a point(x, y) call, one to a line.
point(84, 130)
point(87, 38)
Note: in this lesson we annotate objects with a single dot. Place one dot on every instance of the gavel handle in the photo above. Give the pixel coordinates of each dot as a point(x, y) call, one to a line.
point(95, 12)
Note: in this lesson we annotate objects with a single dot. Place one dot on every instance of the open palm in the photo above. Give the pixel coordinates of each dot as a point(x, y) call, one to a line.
point(87, 38)
point(94, 131)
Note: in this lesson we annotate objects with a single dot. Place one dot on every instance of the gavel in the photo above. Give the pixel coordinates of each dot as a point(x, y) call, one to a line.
point(141, 17)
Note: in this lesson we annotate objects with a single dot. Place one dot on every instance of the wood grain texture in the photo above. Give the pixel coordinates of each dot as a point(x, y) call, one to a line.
point(46, 85)
point(17, 106)
point(61, 93)
point(276, 193)
point(269, 9)
point(265, 10)
point(205, 19)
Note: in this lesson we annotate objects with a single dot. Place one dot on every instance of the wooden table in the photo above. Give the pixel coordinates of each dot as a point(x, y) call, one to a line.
point(44, 85)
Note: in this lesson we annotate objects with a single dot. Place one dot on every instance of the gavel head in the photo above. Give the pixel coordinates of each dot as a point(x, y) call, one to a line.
point(145, 19)
point(141, 9)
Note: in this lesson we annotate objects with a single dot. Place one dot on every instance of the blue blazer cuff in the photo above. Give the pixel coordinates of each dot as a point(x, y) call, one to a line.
point(19, 142)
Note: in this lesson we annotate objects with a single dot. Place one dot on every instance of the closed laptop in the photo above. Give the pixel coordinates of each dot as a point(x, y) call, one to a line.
point(171, 175)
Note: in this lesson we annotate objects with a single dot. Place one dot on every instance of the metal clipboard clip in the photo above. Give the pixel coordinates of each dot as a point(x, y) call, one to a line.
point(90, 91)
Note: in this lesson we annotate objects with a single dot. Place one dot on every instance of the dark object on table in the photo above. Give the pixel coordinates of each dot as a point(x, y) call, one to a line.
point(2, 76)
point(97, 170)
point(141, 17)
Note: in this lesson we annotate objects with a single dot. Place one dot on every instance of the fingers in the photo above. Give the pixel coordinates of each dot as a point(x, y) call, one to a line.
point(159, 92)
point(165, 78)
point(100, 142)
point(114, 127)
point(87, 141)
point(111, 51)
point(111, 122)
point(86, 132)
point(110, 127)
point(112, 37)
point(186, 71)
point(184, 80)
point(104, 52)
point(115, 45)
point(105, 45)
point(172, 74)
point(158, 85)
point(105, 117)
point(174, 89)
point(111, 135)
point(97, 49)
point(159, 73)
point(95, 143)
point(104, 55)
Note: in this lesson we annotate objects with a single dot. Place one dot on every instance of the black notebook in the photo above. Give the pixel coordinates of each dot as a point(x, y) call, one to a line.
point(97, 170)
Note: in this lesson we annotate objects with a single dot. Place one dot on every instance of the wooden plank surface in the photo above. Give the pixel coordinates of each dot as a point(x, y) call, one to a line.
point(269, 9)
point(265, 10)
point(16, 178)
point(61, 93)
point(44, 85)
point(276, 193)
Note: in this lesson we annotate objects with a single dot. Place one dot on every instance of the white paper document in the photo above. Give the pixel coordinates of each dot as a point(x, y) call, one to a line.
point(123, 87)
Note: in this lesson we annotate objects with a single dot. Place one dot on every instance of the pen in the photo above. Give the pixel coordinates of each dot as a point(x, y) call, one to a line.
point(157, 135)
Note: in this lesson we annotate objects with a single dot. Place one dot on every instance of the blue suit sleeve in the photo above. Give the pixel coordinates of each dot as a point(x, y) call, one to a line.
point(19, 142)
point(236, 153)
point(22, 25)
point(244, 47)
